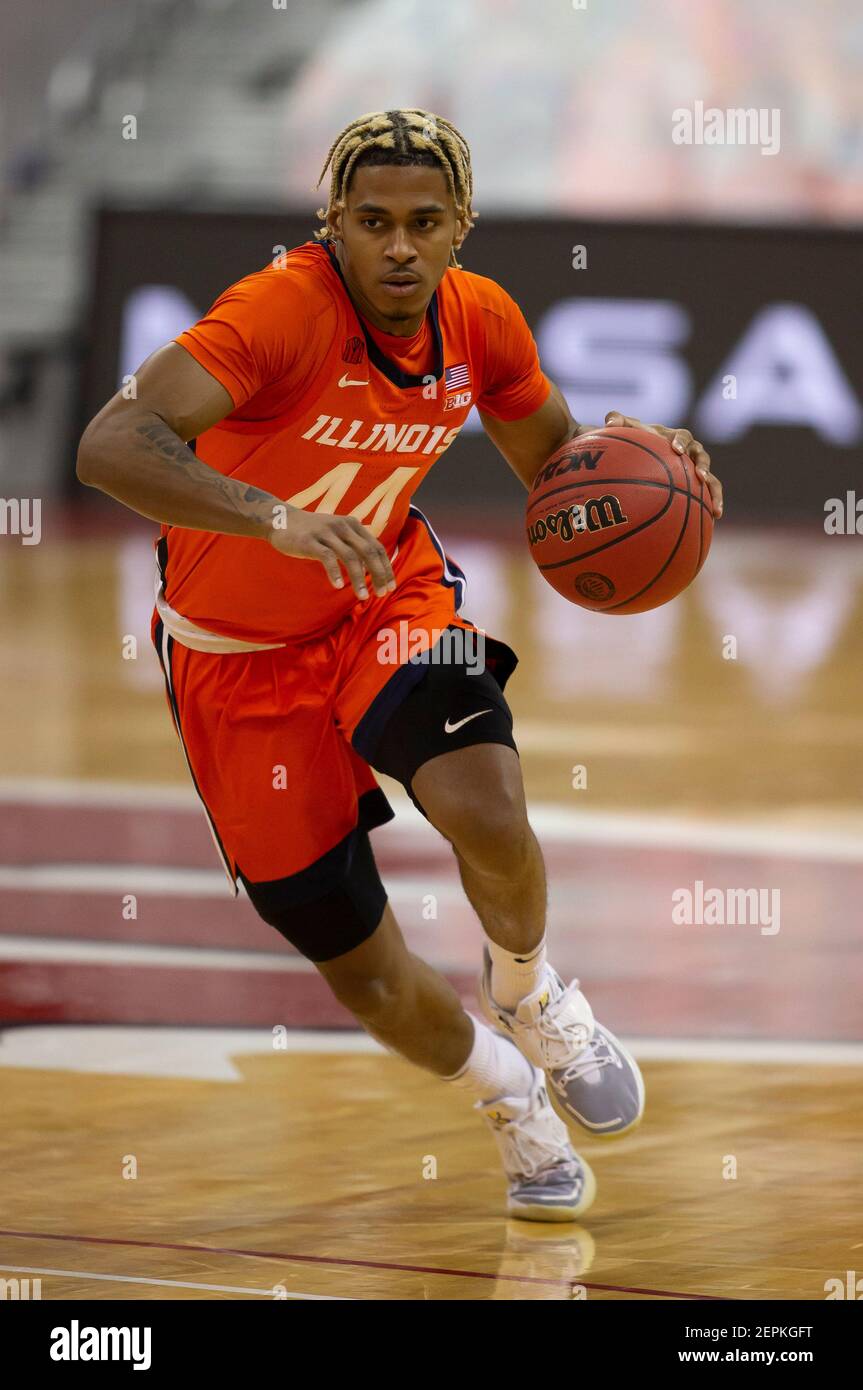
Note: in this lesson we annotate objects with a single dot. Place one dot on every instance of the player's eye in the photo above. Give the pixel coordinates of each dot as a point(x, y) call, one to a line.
point(429, 222)
point(366, 221)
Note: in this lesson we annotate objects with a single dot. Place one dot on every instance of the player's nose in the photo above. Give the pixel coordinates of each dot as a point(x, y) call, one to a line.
point(400, 247)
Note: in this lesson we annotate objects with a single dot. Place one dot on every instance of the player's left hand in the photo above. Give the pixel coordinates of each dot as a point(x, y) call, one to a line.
point(683, 442)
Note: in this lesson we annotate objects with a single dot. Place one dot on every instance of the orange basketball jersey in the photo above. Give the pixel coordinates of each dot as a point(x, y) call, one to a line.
point(332, 415)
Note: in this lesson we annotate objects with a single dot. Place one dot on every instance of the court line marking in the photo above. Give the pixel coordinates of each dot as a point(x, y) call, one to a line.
point(173, 1284)
point(115, 878)
point(173, 881)
point(61, 951)
point(364, 1264)
point(756, 1050)
point(60, 791)
point(156, 1051)
point(643, 829)
point(211, 1055)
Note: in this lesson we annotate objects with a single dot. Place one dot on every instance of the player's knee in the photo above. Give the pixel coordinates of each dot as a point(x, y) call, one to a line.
point(367, 997)
point(343, 917)
point(488, 829)
point(376, 980)
point(372, 994)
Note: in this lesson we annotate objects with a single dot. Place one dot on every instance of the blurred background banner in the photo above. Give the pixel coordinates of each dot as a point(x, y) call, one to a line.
point(573, 116)
point(749, 337)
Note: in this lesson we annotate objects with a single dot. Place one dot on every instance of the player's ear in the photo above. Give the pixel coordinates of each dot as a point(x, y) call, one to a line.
point(461, 231)
point(334, 224)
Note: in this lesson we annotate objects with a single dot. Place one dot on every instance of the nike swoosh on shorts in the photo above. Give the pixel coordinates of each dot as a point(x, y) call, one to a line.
point(451, 728)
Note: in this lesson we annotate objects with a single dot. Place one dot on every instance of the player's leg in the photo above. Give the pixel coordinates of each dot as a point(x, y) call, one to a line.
point(499, 858)
point(474, 795)
point(341, 920)
point(413, 1010)
point(293, 825)
point(401, 1000)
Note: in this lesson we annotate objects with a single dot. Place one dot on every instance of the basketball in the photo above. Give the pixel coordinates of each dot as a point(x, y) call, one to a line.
point(618, 521)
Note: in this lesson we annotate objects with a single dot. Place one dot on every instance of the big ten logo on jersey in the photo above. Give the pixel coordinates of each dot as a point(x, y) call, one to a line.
point(457, 393)
point(384, 438)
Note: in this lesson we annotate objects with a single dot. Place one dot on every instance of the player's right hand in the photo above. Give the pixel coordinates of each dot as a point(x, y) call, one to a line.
point(336, 541)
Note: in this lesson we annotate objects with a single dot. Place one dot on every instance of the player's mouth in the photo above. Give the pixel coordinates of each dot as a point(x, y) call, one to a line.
point(399, 285)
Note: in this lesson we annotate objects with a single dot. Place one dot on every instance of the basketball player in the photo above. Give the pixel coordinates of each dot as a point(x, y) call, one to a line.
point(278, 441)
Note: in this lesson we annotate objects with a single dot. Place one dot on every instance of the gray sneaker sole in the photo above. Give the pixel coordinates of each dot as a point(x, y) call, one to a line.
point(550, 1209)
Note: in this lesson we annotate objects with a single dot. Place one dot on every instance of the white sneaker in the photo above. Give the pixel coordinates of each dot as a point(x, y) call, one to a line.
point(548, 1180)
point(592, 1080)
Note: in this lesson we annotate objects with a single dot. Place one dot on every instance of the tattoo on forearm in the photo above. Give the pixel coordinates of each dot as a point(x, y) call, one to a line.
point(170, 447)
point(166, 442)
point(254, 494)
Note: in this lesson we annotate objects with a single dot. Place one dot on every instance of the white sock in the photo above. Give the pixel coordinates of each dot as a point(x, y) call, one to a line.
point(495, 1067)
point(514, 975)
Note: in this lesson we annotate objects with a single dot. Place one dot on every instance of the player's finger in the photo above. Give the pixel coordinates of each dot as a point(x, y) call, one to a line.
point(715, 488)
point(330, 564)
point(351, 561)
point(367, 550)
point(376, 558)
point(681, 440)
point(701, 459)
point(677, 437)
point(699, 456)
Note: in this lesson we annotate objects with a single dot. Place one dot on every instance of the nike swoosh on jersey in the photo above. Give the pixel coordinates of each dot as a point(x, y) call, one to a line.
point(347, 381)
point(451, 728)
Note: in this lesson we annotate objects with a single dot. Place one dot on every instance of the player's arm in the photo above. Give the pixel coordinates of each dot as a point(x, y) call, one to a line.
point(136, 451)
point(528, 443)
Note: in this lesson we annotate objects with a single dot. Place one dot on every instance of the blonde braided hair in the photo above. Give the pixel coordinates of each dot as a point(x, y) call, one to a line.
point(410, 136)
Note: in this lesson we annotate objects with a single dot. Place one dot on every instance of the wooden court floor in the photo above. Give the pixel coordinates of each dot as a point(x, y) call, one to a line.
point(305, 1173)
point(308, 1179)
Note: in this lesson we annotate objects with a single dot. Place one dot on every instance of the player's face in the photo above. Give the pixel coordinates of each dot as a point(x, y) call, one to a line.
point(399, 224)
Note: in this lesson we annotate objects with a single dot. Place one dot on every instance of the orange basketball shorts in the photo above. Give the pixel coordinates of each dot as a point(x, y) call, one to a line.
point(268, 735)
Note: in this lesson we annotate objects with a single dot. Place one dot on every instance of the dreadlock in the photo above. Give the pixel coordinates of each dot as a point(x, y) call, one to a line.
point(400, 137)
